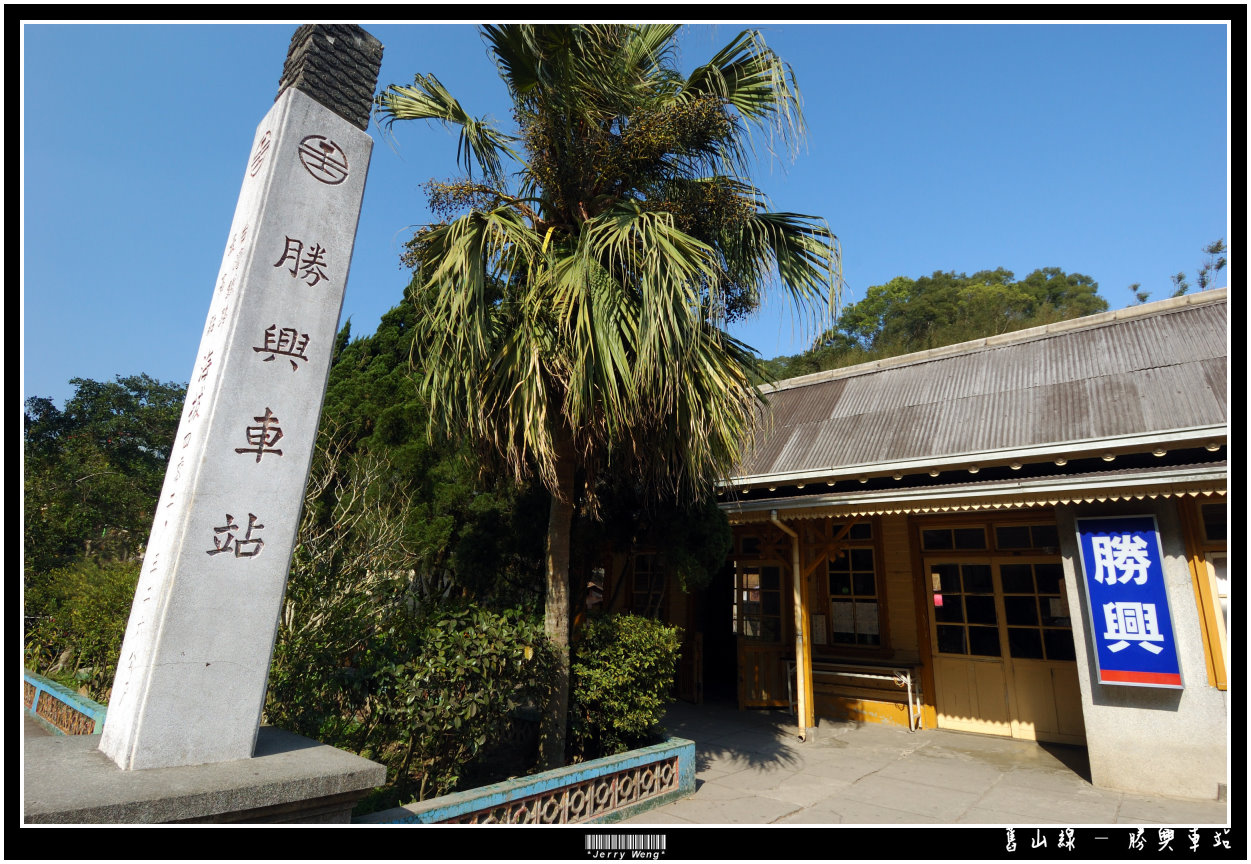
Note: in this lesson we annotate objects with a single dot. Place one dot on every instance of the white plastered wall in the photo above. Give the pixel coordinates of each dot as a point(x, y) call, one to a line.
point(1149, 740)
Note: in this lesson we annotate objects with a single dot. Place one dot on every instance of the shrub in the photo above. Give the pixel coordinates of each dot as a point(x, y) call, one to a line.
point(425, 698)
point(75, 619)
point(623, 670)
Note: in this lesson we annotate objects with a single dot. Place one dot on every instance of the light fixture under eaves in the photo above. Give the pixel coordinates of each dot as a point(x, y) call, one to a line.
point(829, 482)
point(1159, 451)
point(864, 479)
point(973, 469)
point(773, 488)
point(934, 473)
point(1108, 457)
point(1015, 466)
point(1062, 461)
point(897, 475)
point(1212, 446)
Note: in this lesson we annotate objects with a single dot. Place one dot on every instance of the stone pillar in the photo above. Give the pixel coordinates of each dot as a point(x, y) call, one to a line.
point(194, 665)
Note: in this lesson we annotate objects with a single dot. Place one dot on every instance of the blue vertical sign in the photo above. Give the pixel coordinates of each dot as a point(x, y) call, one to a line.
point(1128, 605)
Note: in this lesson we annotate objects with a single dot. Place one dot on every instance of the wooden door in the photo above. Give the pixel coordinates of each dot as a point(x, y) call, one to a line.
point(760, 625)
point(1003, 648)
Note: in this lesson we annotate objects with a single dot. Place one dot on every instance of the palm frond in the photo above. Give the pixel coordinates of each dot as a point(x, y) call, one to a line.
point(428, 99)
point(804, 251)
point(761, 87)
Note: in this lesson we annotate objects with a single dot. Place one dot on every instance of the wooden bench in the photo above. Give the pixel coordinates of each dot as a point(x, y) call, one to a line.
point(843, 672)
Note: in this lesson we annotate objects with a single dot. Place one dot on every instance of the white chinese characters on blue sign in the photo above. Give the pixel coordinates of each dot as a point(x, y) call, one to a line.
point(1129, 622)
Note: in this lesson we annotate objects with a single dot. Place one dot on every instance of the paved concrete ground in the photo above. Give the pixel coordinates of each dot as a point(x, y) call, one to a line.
point(752, 769)
point(31, 727)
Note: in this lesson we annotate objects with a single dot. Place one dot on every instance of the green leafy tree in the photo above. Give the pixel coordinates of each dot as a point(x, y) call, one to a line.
point(75, 617)
point(906, 315)
point(93, 470)
point(573, 318)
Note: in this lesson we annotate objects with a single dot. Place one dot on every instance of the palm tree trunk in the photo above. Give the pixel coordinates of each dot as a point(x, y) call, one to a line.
point(556, 609)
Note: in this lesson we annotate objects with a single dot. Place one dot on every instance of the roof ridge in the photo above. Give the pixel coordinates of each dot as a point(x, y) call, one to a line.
point(1099, 319)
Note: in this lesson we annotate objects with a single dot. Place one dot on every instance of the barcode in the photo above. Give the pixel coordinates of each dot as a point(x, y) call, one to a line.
point(625, 842)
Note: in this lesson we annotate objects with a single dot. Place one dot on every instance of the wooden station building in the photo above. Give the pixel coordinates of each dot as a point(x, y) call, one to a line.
point(907, 544)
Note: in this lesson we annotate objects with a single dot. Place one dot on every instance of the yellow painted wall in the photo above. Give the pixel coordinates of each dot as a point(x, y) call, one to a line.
point(883, 702)
point(900, 591)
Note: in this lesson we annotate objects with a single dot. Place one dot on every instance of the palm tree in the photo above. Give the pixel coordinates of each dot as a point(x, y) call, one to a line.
point(575, 309)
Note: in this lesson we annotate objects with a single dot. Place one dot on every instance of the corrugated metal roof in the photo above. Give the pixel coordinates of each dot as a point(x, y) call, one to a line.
point(1134, 372)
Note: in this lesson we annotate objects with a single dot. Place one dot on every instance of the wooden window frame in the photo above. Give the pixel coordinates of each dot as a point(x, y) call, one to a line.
point(784, 629)
point(658, 580)
point(1199, 552)
point(819, 597)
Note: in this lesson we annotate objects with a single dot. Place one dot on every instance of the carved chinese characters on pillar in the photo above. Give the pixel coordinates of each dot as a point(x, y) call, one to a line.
point(258, 155)
point(193, 409)
point(226, 284)
point(288, 342)
point(263, 436)
point(304, 265)
point(254, 544)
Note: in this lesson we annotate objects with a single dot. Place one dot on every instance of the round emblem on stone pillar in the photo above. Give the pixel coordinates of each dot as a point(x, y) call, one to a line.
point(324, 159)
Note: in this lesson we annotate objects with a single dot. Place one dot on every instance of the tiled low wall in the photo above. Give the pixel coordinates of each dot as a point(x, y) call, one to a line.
point(602, 790)
point(59, 708)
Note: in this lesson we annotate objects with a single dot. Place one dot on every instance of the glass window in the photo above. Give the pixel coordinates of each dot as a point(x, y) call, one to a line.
point(977, 579)
point(1036, 611)
point(1012, 537)
point(984, 641)
point(1009, 537)
point(758, 602)
point(1214, 521)
point(970, 538)
point(647, 587)
point(938, 539)
point(854, 618)
point(1017, 578)
point(965, 594)
point(1025, 643)
point(1045, 536)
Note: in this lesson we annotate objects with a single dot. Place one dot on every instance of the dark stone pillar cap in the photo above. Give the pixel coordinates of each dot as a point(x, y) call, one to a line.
point(336, 64)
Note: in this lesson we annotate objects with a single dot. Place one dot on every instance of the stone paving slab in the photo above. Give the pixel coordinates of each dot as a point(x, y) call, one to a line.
point(940, 805)
point(851, 812)
point(1136, 809)
point(961, 775)
point(807, 789)
point(754, 770)
point(1048, 805)
point(741, 810)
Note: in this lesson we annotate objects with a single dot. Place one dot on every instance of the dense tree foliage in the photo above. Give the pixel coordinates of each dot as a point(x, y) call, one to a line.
point(462, 532)
point(907, 315)
point(93, 470)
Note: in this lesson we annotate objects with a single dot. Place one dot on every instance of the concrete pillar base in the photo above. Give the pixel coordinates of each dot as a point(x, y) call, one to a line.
point(290, 779)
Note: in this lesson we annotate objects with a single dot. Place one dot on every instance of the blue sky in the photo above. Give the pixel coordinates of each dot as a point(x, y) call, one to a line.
point(1098, 148)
